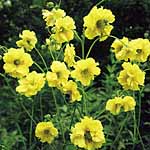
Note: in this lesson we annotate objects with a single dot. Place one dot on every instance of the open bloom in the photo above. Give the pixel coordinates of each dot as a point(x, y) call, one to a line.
point(131, 76)
point(128, 103)
point(114, 105)
point(69, 55)
point(28, 40)
point(70, 89)
point(31, 84)
point(85, 70)
point(141, 47)
point(59, 74)
point(17, 62)
point(64, 29)
point(50, 17)
point(46, 132)
point(97, 23)
point(88, 134)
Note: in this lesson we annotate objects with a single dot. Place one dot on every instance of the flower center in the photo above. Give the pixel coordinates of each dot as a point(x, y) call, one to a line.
point(85, 72)
point(17, 62)
point(88, 136)
point(58, 74)
point(117, 108)
point(139, 51)
point(46, 131)
point(62, 29)
point(100, 24)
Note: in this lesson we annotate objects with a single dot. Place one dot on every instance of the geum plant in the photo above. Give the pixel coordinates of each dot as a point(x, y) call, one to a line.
point(73, 123)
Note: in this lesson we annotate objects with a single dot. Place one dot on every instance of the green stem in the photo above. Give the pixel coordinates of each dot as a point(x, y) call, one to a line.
point(41, 58)
point(51, 53)
point(28, 113)
point(3, 48)
point(81, 41)
point(58, 115)
point(20, 132)
point(139, 116)
point(39, 67)
point(134, 130)
point(82, 45)
point(7, 82)
point(100, 2)
point(41, 109)
point(59, 3)
point(143, 148)
point(61, 50)
point(121, 128)
point(91, 47)
point(31, 125)
point(72, 116)
point(118, 39)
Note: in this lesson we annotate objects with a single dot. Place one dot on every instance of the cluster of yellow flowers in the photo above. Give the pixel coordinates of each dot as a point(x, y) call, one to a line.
point(87, 134)
point(134, 50)
point(114, 105)
point(62, 25)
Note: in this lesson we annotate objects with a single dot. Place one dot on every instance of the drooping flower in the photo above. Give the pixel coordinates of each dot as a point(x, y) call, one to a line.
point(97, 23)
point(85, 70)
point(69, 55)
point(50, 17)
point(28, 40)
point(17, 62)
point(70, 88)
point(59, 74)
point(141, 47)
point(64, 29)
point(114, 105)
point(131, 76)
point(128, 103)
point(88, 134)
point(46, 132)
point(31, 84)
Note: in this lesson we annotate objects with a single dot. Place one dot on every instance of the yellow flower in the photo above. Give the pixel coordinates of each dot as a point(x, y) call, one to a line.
point(31, 84)
point(50, 17)
point(17, 62)
point(114, 105)
point(28, 40)
point(69, 55)
point(122, 50)
point(53, 45)
point(97, 23)
point(70, 88)
point(131, 76)
point(58, 75)
point(64, 29)
point(46, 132)
point(128, 103)
point(88, 134)
point(85, 70)
point(141, 48)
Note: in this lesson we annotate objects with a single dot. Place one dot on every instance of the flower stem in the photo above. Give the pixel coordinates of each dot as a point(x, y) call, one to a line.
point(39, 67)
point(99, 3)
point(91, 47)
point(58, 115)
point(41, 58)
point(121, 128)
